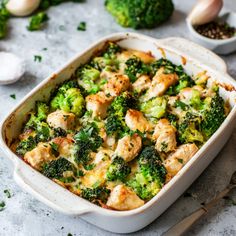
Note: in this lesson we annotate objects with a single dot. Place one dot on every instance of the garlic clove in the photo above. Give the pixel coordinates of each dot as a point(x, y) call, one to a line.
point(22, 7)
point(205, 11)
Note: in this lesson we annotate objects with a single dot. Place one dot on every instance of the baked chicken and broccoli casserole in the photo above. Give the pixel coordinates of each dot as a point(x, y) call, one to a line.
point(121, 127)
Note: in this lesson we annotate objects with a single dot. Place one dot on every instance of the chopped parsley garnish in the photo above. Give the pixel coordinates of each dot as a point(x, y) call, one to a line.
point(89, 167)
point(180, 161)
point(82, 26)
point(13, 96)
point(2, 205)
point(37, 58)
point(62, 27)
point(7, 193)
point(37, 21)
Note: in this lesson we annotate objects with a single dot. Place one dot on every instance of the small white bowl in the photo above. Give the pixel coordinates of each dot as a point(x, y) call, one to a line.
point(220, 46)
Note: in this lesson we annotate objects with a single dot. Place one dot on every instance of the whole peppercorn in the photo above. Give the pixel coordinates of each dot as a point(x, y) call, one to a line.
point(216, 30)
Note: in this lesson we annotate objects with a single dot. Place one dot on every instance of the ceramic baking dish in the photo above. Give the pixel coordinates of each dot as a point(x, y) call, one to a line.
point(195, 59)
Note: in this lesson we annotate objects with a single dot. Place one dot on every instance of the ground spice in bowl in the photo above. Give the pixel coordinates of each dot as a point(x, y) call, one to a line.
point(216, 30)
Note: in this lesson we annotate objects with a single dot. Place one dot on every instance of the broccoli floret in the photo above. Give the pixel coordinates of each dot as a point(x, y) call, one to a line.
point(87, 140)
point(135, 67)
point(69, 99)
point(118, 170)
point(38, 116)
point(25, 145)
point(37, 21)
point(42, 132)
point(151, 174)
point(55, 169)
point(88, 77)
point(96, 194)
point(173, 119)
point(111, 50)
point(189, 130)
point(59, 132)
point(115, 123)
point(213, 115)
point(155, 107)
point(38, 124)
point(140, 13)
point(4, 16)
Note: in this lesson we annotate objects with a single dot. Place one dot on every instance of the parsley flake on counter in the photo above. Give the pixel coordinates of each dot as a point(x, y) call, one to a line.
point(37, 21)
point(7, 193)
point(37, 58)
point(13, 96)
point(2, 205)
point(62, 28)
point(82, 26)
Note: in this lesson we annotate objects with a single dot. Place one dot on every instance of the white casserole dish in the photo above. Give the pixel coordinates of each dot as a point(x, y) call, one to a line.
point(180, 51)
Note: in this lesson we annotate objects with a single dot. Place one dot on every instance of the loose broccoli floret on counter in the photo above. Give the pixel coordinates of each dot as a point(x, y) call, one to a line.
point(37, 21)
point(87, 140)
point(155, 107)
point(55, 169)
point(96, 194)
point(69, 99)
point(25, 145)
point(118, 170)
point(140, 13)
point(135, 67)
point(189, 130)
point(4, 16)
point(151, 174)
point(88, 78)
point(213, 115)
point(115, 123)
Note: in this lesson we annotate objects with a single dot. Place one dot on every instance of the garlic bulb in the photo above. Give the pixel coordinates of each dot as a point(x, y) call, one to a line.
point(22, 7)
point(205, 11)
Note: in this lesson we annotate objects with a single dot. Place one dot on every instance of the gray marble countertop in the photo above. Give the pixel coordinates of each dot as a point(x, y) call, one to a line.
point(23, 214)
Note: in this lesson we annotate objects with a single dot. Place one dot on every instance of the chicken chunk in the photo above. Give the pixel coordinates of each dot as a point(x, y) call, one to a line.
point(164, 135)
point(61, 119)
point(65, 146)
point(123, 199)
point(128, 147)
point(98, 173)
point(98, 104)
point(160, 83)
point(179, 158)
point(39, 155)
point(117, 84)
point(186, 94)
point(146, 57)
point(103, 155)
point(135, 120)
point(142, 83)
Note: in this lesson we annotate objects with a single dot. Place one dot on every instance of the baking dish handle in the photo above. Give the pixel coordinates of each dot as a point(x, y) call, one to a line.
point(193, 50)
point(48, 192)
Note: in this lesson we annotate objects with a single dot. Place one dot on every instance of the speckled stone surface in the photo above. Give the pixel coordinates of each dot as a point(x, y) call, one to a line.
point(23, 214)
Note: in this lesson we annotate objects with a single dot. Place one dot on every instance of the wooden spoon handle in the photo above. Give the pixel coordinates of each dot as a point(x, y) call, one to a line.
point(181, 227)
